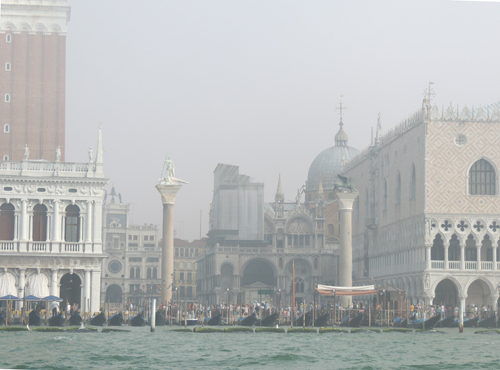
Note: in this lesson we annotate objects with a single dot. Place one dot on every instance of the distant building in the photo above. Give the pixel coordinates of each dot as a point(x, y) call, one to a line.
point(131, 270)
point(50, 229)
point(33, 78)
point(185, 269)
point(427, 218)
point(252, 246)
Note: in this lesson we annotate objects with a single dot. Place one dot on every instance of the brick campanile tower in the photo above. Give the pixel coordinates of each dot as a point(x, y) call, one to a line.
point(32, 78)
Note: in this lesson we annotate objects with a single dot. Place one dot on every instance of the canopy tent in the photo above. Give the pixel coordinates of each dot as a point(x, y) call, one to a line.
point(328, 290)
point(31, 298)
point(52, 298)
point(9, 297)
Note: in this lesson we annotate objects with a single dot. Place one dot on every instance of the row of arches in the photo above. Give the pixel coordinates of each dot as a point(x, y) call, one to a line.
point(39, 223)
point(472, 251)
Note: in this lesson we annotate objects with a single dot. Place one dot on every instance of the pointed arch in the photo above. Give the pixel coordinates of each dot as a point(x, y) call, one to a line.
point(483, 178)
point(413, 182)
point(398, 188)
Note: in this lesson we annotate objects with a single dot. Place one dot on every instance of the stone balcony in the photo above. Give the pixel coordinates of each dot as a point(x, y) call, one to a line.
point(467, 265)
point(30, 247)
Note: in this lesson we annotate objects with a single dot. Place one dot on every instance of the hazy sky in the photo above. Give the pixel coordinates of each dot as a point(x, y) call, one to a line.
point(254, 84)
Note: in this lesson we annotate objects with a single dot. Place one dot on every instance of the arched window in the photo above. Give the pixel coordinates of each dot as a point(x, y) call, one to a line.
point(8, 38)
point(384, 201)
point(7, 67)
point(6, 221)
point(72, 225)
point(398, 189)
point(413, 183)
point(138, 273)
point(39, 223)
point(7, 98)
point(316, 263)
point(299, 285)
point(280, 262)
point(132, 272)
point(148, 274)
point(482, 178)
point(331, 229)
point(155, 273)
point(189, 292)
point(6, 128)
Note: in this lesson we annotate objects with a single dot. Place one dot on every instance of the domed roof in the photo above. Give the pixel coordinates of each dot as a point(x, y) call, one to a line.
point(329, 162)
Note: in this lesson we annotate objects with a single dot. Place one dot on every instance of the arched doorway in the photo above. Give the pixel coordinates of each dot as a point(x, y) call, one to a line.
point(71, 289)
point(446, 293)
point(114, 294)
point(6, 221)
point(479, 294)
point(226, 272)
point(258, 271)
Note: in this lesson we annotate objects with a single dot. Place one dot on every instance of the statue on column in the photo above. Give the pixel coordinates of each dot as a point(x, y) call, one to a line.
point(58, 154)
point(344, 182)
point(169, 177)
point(91, 154)
point(26, 152)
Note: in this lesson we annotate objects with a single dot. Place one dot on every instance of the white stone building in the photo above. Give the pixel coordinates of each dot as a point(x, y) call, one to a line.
point(50, 228)
point(427, 219)
point(131, 268)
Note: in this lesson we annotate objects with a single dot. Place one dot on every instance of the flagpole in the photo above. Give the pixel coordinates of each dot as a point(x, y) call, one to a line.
point(293, 292)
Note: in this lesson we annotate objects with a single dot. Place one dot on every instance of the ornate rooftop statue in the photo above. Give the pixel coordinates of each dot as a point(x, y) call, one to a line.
point(169, 178)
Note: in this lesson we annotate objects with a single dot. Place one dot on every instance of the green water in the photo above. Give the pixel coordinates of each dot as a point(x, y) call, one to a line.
point(164, 349)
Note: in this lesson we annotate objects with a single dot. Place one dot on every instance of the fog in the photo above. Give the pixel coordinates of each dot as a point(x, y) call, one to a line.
point(255, 84)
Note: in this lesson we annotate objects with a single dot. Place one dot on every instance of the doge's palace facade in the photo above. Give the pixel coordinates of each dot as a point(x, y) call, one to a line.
point(428, 215)
point(50, 228)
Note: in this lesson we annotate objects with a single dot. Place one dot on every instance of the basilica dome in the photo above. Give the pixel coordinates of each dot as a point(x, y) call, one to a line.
point(329, 162)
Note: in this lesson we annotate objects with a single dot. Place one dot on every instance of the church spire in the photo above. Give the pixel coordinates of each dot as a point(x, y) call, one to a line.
point(279, 191)
point(341, 138)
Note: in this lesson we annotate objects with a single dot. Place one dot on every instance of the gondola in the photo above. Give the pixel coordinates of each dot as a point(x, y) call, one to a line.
point(213, 321)
point(116, 319)
point(57, 320)
point(267, 321)
point(321, 320)
point(137, 320)
point(355, 322)
point(34, 318)
point(429, 323)
point(98, 320)
point(75, 319)
point(446, 322)
point(248, 321)
point(490, 322)
point(299, 321)
point(159, 319)
point(471, 323)
point(2, 319)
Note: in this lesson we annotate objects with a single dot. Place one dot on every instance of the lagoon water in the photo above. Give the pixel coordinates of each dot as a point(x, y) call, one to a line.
point(165, 349)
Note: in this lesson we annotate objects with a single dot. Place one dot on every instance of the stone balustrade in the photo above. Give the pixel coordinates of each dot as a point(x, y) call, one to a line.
point(30, 247)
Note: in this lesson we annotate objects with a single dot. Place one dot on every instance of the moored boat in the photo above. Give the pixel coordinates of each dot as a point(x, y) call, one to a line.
point(213, 321)
point(159, 319)
point(471, 323)
point(446, 322)
point(116, 319)
point(299, 321)
point(34, 318)
point(98, 320)
point(248, 321)
point(321, 321)
point(267, 321)
point(75, 319)
point(355, 322)
point(427, 324)
point(57, 320)
point(138, 320)
point(490, 322)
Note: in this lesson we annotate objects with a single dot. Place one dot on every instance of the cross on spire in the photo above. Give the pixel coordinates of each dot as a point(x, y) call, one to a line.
point(340, 107)
point(429, 92)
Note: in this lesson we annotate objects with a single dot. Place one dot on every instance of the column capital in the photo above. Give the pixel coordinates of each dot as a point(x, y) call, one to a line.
point(346, 199)
point(168, 192)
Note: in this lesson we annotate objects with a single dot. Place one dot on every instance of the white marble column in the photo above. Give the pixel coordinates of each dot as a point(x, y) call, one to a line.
point(88, 223)
point(461, 309)
point(54, 283)
point(24, 220)
point(428, 256)
point(95, 292)
point(446, 247)
point(462, 256)
point(97, 227)
point(494, 247)
point(478, 257)
point(20, 287)
point(86, 295)
point(345, 200)
point(56, 224)
point(168, 192)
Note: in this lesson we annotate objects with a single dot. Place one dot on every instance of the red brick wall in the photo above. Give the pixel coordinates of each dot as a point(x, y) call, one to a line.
point(36, 82)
